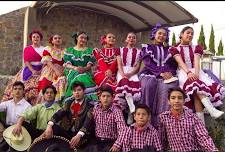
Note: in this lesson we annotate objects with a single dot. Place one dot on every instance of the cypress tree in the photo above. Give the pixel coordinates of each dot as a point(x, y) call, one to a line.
point(174, 40)
point(220, 49)
point(201, 39)
point(211, 41)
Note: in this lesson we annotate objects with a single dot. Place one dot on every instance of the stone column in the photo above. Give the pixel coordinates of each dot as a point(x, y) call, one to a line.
point(30, 23)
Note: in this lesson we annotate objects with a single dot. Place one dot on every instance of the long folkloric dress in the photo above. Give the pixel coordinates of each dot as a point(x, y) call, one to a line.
point(80, 58)
point(154, 91)
point(204, 85)
point(106, 58)
point(33, 56)
point(48, 75)
point(131, 86)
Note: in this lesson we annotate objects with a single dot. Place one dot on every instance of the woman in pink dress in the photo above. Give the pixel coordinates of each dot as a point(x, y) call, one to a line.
point(52, 72)
point(194, 81)
point(30, 73)
point(106, 62)
point(128, 88)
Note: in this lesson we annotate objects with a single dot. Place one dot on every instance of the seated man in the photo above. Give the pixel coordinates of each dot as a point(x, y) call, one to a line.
point(109, 122)
point(14, 107)
point(74, 118)
point(42, 113)
point(181, 130)
point(141, 135)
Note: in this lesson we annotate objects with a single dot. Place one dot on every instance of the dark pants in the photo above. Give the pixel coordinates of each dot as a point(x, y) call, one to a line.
point(34, 133)
point(101, 145)
point(68, 134)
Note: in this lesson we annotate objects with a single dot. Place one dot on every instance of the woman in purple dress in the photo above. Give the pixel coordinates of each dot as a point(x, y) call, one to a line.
point(158, 74)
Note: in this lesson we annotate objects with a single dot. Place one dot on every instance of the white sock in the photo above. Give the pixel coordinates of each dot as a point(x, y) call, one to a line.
point(130, 103)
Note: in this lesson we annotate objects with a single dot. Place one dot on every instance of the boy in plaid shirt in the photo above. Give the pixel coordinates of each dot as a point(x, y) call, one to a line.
point(109, 122)
point(181, 130)
point(141, 136)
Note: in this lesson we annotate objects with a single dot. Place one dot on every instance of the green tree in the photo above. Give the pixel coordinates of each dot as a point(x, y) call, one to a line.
point(174, 40)
point(201, 39)
point(220, 49)
point(211, 41)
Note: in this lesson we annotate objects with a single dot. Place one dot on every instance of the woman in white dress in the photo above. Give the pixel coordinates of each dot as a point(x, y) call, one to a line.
point(194, 81)
point(128, 88)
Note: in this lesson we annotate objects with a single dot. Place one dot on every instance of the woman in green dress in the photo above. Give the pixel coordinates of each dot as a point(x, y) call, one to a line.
point(78, 64)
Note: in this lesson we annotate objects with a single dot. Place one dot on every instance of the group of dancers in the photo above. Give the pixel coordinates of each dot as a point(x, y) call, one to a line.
point(148, 78)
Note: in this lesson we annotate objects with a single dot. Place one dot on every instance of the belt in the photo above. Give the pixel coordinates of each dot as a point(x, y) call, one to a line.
point(105, 139)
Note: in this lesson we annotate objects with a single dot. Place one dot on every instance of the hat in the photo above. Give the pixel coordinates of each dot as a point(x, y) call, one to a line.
point(54, 144)
point(2, 128)
point(19, 143)
point(172, 79)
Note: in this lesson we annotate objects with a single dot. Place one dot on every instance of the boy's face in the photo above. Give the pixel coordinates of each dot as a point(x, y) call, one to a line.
point(78, 93)
point(49, 95)
point(18, 91)
point(105, 99)
point(176, 100)
point(141, 117)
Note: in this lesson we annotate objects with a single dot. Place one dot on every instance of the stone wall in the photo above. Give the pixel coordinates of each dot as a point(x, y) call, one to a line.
point(61, 20)
point(65, 20)
point(11, 41)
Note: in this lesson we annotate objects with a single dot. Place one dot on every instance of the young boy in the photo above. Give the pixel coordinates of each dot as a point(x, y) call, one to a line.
point(108, 120)
point(70, 121)
point(181, 130)
point(141, 135)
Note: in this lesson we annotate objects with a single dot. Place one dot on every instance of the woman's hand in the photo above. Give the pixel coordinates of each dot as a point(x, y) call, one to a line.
point(80, 69)
point(58, 73)
point(35, 72)
point(128, 75)
point(108, 73)
point(191, 76)
point(166, 75)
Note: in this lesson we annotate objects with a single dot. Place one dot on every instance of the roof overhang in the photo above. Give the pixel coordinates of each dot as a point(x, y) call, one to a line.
point(140, 15)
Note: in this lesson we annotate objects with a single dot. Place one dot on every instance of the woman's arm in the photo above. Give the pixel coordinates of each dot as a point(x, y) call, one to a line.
point(197, 64)
point(31, 68)
point(120, 65)
point(70, 66)
point(135, 70)
point(57, 71)
point(181, 63)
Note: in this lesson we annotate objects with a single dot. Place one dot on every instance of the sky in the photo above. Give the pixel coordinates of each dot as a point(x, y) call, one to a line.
point(207, 12)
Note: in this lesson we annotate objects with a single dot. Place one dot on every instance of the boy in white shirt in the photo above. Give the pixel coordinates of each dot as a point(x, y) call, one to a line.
point(15, 106)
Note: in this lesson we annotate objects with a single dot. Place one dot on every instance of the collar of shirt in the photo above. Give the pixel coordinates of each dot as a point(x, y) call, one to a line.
point(111, 107)
point(80, 102)
point(176, 114)
point(48, 105)
point(182, 115)
point(139, 129)
point(18, 103)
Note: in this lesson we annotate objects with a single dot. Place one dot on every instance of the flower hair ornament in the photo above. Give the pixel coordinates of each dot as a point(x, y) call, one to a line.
point(50, 40)
point(102, 40)
point(74, 35)
point(156, 28)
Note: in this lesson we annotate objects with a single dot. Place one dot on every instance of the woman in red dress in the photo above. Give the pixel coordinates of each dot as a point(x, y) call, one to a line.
point(106, 62)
